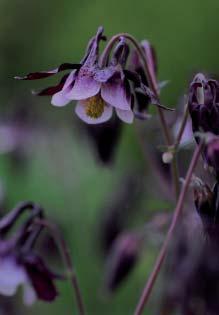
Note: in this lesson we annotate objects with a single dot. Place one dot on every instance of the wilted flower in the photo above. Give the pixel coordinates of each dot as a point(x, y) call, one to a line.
point(122, 259)
point(204, 104)
point(97, 90)
point(19, 265)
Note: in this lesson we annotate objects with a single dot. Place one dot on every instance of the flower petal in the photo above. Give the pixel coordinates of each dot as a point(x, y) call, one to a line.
point(11, 276)
point(93, 55)
point(52, 89)
point(117, 94)
point(84, 87)
point(103, 75)
point(41, 278)
point(45, 74)
point(125, 115)
point(80, 111)
point(60, 99)
point(29, 295)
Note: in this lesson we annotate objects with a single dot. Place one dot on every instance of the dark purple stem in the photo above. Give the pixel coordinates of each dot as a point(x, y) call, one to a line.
point(67, 260)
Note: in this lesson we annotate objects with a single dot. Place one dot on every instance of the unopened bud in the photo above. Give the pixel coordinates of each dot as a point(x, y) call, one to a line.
point(167, 157)
point(122, 259)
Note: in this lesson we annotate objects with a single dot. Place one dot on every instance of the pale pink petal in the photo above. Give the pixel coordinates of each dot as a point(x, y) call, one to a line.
point(84, 87)
point(80, 111)
point(125, 115)
point(60, 99)
point(187, 136)
point(11, 276)
point(116, 95)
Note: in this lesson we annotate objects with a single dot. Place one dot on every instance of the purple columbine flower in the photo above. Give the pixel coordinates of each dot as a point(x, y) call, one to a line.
point(28, 271)
point(19, 265)
point(97, 89)
point(204, 104)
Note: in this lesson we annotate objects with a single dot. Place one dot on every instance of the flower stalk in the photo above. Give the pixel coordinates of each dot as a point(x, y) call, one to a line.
point(177, 212)
point(67, 260)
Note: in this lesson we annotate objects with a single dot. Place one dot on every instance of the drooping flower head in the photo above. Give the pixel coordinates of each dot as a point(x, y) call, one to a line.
point(204, 104)
point(99, 87)
point(97, 90)
point(19, 264)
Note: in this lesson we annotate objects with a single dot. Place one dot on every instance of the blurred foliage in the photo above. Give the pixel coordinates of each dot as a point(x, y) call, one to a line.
point(62, 173)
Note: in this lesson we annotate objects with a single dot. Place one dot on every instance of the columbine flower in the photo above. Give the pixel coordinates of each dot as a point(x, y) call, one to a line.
point(97, 90)
point(204, 104)
point(19, 265)
point(28, 271)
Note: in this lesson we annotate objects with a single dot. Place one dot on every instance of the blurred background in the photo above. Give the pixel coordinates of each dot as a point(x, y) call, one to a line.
point(49, 156)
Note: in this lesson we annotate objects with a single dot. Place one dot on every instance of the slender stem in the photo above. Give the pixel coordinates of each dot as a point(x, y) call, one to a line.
point(67, 260)
point(153, 85)
point(160, 259)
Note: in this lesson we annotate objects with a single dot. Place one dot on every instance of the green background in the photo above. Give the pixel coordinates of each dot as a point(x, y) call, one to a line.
point(61, 172)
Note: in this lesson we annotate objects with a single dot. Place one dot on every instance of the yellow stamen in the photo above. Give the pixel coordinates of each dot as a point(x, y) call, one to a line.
point(94, 106)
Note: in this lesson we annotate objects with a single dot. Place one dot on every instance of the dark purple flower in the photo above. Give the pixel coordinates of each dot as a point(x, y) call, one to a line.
point(19, 265)
point(204, 104)
point(28, 271)
point(98, 90)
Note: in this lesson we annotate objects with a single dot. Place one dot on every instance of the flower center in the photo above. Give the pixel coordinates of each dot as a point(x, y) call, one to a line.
point(94, 106)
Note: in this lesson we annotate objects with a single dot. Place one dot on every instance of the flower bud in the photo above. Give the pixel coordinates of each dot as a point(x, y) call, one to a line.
point(167, 157)
point(122, 259)
point(204, 104)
